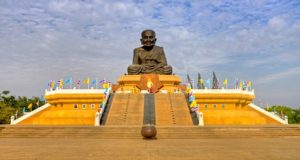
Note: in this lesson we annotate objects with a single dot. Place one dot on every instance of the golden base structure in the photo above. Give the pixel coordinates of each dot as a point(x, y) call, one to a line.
point(138, 83)
point(128, 102)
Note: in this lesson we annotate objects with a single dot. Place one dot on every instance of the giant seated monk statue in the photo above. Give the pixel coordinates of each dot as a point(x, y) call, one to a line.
point(149, 58)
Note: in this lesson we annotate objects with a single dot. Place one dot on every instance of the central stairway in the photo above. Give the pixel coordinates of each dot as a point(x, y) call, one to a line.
point(161, 109)
point(126, 109)
point(172, 109)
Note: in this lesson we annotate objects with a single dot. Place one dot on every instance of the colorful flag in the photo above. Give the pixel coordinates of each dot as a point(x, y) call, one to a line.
point(69, 81)
point(201, 81)
point(208, 83)
point(102, 81)
point(188, 90)
point(241, 84)
point(94, 82)
point(105, 85)
point(193, 104)
point(194, 108)
point(42, 99)
point(29, 106)
point(191, 98)
point(249, 84)
point(78, 84)
point(236, 83)
point(52, 84)
point(225, 82)
point(59, 83)
point(86, 81)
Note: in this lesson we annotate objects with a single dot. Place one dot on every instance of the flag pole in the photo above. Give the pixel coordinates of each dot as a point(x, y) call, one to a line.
point(71, 83)
point(96, 83)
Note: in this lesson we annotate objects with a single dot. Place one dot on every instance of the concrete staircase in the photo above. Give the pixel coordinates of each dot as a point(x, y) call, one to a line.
point(163, 132)
point(172, 109)
point(126, 109)
point(180, 109)
point(213, 132)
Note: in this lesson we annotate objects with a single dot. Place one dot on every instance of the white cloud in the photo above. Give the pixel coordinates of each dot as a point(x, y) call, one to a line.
point(277, 23)
point(279, 75)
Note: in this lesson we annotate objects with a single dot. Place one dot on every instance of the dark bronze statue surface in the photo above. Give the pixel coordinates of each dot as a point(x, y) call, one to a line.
point(149, 58)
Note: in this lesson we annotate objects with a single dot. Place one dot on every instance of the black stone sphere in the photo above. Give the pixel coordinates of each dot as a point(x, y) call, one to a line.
point(148, 131)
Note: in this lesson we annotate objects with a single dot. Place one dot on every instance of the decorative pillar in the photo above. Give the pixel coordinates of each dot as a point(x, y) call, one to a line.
point(200, 118)
point(12, 119)
point(97, 118)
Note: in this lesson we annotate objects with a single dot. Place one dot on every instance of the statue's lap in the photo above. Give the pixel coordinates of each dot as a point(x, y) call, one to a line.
point(138, 69)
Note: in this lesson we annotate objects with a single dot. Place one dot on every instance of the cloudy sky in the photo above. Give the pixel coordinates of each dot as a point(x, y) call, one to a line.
point(252, 40)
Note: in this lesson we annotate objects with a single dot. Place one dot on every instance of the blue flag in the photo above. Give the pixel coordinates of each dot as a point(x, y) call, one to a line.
point(94, 82)
point(208, 82)
point(191, 98)
point(68, 81)
point(42, 98)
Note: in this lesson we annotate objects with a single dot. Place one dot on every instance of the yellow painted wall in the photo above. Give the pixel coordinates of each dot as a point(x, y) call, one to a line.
point(232, 114)
point(64, 115)
point(63, 112)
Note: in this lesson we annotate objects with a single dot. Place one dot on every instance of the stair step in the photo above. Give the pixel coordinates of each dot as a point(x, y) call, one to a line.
point(133, 132)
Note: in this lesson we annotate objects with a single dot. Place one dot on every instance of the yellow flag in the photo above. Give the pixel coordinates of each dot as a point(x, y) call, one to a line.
point(249, 84)
point(225, 82)
point(105, 85)
point(86, 81)
point(29, 106)
point(241, 84)
point(188, 90)
point(52, 85)
point(193, 104)
point(61, 83)
point(201, 81)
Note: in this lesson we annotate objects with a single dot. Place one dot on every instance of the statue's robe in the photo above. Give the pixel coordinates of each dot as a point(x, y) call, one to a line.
point(152, 61)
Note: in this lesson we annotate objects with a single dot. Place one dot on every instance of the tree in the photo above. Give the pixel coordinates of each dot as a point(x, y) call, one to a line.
point(296, 115)
point(292, 114)
point(215, 82)
point(5, 114)
point(200, 84)
point(189, 80)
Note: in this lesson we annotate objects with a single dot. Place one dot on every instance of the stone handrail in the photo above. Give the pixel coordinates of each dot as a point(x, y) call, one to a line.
point(30, 114)
point(271, 115)
point(100, 114)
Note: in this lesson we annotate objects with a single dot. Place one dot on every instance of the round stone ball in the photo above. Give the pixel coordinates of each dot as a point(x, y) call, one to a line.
point(148, 131)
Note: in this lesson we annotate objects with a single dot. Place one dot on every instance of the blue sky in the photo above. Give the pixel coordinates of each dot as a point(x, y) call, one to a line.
point(249, 40)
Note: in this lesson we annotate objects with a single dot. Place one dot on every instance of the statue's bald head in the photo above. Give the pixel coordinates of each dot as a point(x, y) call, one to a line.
point(148, 38)
point(150, 31)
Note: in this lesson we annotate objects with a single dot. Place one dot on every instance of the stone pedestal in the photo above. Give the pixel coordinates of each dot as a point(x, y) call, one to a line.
point(138, 83)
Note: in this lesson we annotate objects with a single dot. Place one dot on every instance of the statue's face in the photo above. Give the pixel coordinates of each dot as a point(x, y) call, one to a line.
point(148, 38)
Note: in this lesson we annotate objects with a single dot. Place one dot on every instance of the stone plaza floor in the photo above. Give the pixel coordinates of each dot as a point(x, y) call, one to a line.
point(283, 148)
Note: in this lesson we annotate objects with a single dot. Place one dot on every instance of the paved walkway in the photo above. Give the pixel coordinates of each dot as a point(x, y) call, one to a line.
point(164, 149)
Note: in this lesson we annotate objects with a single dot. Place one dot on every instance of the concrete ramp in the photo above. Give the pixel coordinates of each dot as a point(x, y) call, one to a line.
point(126, 109)
point(172, 109)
